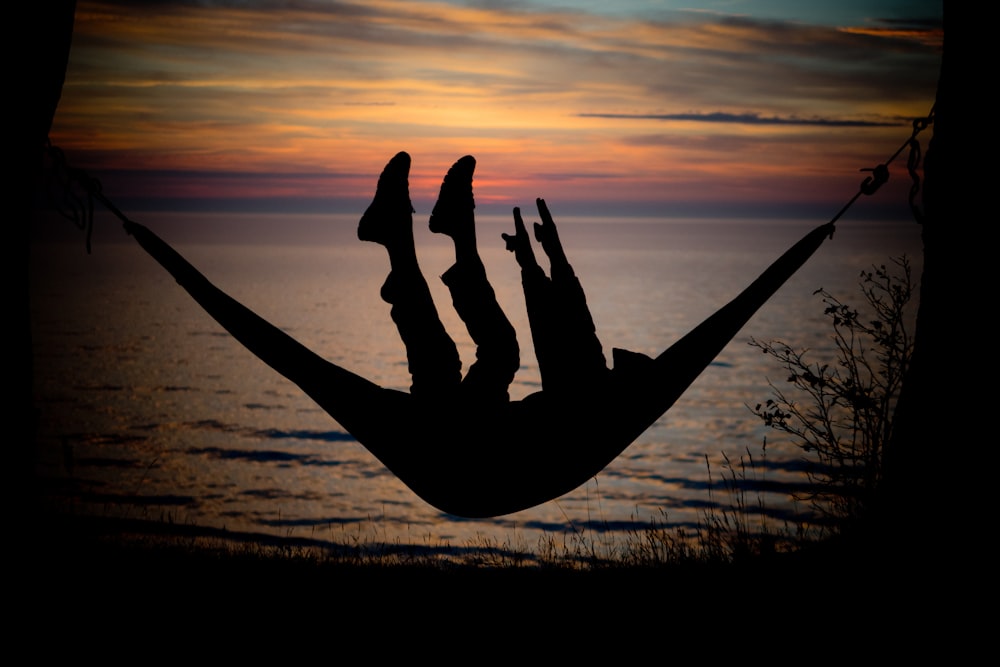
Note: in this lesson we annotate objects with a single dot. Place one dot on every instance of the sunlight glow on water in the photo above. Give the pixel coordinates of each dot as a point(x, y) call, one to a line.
point(149, 409)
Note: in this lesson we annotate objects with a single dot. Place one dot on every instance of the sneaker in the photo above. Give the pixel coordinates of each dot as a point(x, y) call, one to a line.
point(390, 215)
point(454, 208)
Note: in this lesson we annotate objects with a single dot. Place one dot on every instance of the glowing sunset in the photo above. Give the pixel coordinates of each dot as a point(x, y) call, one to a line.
point(653, 108)
point(276, 294)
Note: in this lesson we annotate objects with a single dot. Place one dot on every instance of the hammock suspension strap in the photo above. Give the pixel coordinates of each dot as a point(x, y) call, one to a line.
point(880, 173)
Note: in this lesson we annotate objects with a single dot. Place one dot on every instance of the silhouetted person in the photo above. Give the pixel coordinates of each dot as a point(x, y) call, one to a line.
point(459, 442)
point(433, 357)
point(569, 354)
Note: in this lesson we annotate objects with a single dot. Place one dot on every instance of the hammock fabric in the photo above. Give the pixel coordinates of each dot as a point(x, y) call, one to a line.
point(484, 461)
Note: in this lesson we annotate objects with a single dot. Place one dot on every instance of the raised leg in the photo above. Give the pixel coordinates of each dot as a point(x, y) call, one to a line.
point(497, 352)
point(435, 367)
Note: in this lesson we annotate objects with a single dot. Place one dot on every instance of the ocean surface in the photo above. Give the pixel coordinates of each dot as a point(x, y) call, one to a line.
point(149, 409)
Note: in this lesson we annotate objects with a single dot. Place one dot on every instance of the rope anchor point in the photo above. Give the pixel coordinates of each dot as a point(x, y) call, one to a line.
point(880, 176)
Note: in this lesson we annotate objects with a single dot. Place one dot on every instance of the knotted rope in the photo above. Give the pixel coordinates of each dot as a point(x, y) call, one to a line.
point(880, 173)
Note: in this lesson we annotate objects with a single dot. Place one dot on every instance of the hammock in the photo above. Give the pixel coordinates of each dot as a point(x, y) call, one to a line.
point(492, 460)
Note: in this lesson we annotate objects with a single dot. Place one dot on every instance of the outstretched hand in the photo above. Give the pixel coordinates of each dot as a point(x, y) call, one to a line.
point(546, 234)
point(519, 243)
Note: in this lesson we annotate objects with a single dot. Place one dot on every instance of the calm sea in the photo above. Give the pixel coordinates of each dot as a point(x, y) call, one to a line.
point(149, 409)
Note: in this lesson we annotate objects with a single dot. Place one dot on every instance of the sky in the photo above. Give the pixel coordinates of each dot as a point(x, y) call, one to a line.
point(632, 107)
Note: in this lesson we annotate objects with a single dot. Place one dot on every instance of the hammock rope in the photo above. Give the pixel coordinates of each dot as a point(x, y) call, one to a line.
point(880, 172)
point(63, 185)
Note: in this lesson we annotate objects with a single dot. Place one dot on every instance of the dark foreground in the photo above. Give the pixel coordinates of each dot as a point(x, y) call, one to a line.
point(107, 588)
point(132, 561)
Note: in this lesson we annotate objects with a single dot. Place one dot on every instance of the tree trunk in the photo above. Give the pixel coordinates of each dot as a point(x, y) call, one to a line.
point(49, 28)
point(915, 514)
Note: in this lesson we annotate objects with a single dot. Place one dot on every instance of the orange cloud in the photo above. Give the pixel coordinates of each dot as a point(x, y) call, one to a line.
point(332, 94)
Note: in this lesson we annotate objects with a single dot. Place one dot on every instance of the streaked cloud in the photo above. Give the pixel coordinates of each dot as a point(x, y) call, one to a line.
point(553, 99)
point(749, 119)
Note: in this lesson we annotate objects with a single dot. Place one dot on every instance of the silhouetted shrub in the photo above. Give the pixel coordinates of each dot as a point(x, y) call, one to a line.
point(840, 412)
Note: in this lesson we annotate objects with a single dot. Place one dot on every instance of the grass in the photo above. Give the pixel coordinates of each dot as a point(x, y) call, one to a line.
point(102, 574)
point(732, 533)
point(107, 583)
